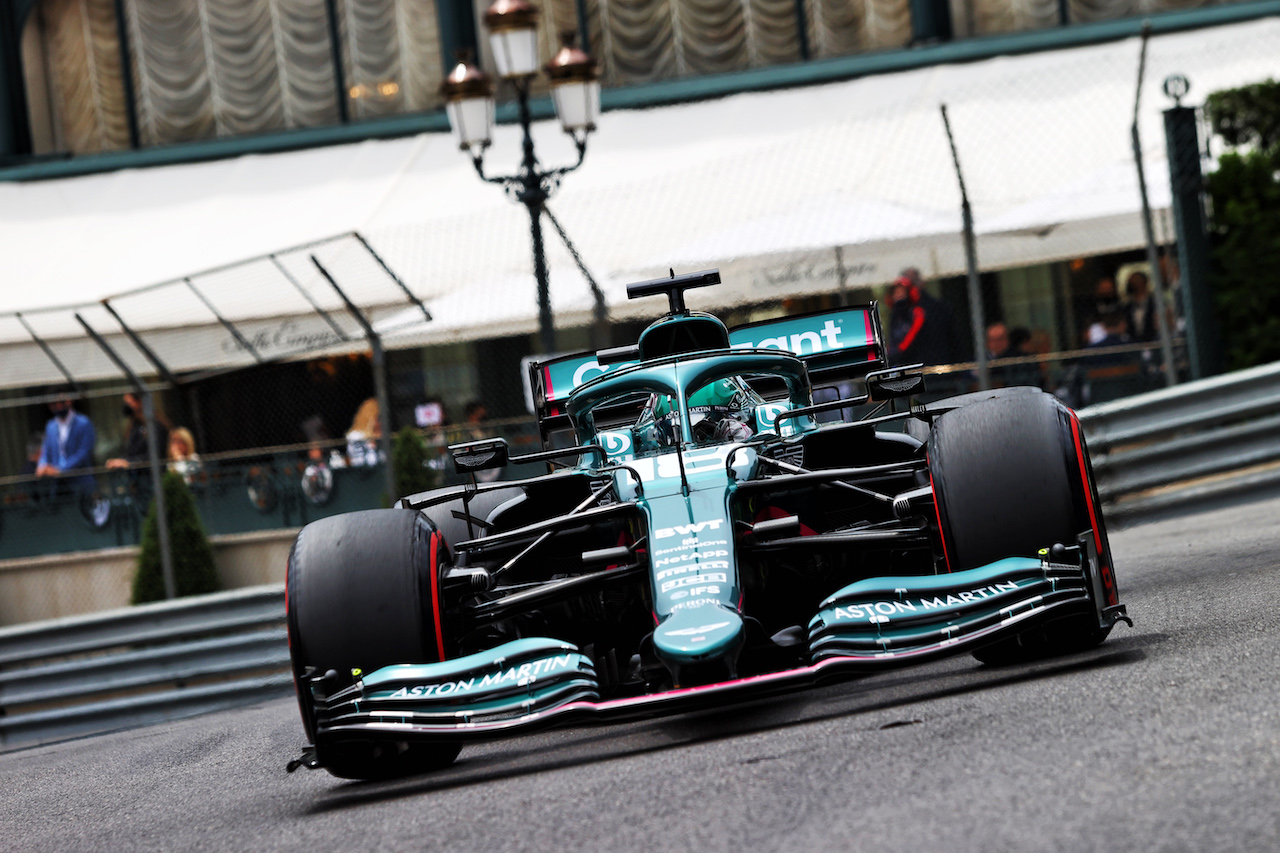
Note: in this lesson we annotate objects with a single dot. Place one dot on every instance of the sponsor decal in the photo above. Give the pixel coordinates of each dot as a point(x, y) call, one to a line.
point(586, 371)
point(522, 675)
point(691, 567)
point(694, 603)
point(689, 544)
point(766, 414)
point(694, 632)
point(806, 336)
point(707, 578)
point(882, 611)
point(804, 342)
point(667, 466)
point(684, 558)
point(615, 442)
point(687, 529)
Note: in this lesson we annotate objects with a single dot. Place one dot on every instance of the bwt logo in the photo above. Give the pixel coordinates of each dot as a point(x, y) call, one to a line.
point(829, 333)
point(686, 529)
point(616, 443)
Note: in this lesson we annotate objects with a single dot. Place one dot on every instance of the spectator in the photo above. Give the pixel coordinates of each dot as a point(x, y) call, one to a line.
point(68, 446)
point(1039, 343)
point(34, 447)
point(920, 326)
point(1141, 323)
point(1115, 325)
point(1020, 346)
point(997, 347)
point(321, 451)
point(363, 435)
point(1106, 301)
point(475, 413)
point(182, 454)
point(135, 440)
point(997, 340)
point(1171, 274)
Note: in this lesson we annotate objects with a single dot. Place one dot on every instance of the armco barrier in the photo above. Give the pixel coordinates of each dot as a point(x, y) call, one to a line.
point(159, 662)
point(1177, 435)
point(141, 665)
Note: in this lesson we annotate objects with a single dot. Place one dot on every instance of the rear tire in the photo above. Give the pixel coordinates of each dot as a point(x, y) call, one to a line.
point(362, 593)
point(1008, 481)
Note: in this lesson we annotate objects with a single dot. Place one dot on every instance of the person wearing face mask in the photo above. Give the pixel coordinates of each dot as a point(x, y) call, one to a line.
point(68, 447)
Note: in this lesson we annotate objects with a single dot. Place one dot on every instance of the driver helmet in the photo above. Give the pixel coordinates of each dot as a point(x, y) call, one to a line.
point(716, 407)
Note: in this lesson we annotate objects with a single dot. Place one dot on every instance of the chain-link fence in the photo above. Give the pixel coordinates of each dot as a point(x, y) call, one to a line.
point(278, 383)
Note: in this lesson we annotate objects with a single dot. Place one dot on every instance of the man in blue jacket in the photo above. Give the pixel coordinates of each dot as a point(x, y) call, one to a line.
point(68, 447)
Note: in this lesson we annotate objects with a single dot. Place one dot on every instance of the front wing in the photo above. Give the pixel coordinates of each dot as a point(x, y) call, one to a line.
point(875, 624)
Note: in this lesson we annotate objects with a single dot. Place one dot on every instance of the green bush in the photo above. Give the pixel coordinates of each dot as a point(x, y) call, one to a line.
point(194, 572)
point(1244, 193)
point(409, 458)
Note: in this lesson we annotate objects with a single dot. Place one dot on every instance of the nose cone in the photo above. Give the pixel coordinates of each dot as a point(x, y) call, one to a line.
point(698, 635)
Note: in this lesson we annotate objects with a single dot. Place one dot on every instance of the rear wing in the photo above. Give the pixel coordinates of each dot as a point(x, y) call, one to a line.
point(835, 345)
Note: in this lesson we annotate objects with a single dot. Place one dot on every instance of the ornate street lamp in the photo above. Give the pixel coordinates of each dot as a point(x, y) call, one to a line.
point(575, 90)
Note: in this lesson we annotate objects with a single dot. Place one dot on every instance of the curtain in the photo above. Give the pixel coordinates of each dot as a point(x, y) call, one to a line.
point(216, 68)
point(82, 58)
point(213, 68)
point(840, 27)
point(391, 56)
point(1003, 16)
point(662, 39)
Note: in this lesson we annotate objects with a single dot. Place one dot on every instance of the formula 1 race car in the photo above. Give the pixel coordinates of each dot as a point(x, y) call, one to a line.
point(710, 535)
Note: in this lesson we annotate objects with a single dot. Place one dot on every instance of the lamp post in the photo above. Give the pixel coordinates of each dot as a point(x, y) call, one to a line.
point(469, 103)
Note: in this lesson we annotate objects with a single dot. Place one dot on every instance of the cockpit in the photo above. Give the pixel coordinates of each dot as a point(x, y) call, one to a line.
point(720, 411)
point(688, 399)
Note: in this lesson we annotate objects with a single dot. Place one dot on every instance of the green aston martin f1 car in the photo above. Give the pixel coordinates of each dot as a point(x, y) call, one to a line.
point(706, 533)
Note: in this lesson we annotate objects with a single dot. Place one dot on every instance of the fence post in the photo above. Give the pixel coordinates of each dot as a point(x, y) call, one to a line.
point(977, 319)
point(1187, 184)
point(153, 457)
point(379, 379)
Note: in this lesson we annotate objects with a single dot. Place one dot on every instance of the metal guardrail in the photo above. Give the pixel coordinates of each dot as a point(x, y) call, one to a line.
point(159, 662)
point(1177, 435)
point(141, 665)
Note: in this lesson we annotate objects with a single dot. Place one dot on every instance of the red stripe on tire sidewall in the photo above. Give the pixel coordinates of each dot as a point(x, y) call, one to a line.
point(937, 513)
point(435, 594)
point(1108, 576)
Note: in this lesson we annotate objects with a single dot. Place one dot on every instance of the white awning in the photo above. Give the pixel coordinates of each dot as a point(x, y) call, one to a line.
point(765, 186)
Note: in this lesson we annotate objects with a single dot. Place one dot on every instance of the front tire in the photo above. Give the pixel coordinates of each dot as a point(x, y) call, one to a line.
point(362, 592)
point(1011, 476)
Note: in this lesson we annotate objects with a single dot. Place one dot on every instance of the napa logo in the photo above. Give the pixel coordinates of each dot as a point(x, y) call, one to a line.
point(616, 443)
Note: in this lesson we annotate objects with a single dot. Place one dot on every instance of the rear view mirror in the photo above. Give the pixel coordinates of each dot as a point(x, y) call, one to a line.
point(479, 455)
point(895, 382)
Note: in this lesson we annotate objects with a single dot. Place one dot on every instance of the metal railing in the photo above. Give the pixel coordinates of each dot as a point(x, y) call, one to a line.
point(159, 662)
point(142, 665)
point(1181, 435)
point(269, 488)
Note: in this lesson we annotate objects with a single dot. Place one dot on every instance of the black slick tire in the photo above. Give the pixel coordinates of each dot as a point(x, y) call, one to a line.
point(362, 592)
point(1008, 480)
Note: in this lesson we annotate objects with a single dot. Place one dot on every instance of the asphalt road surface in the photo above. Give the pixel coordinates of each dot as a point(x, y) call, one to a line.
point(1165, 738)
